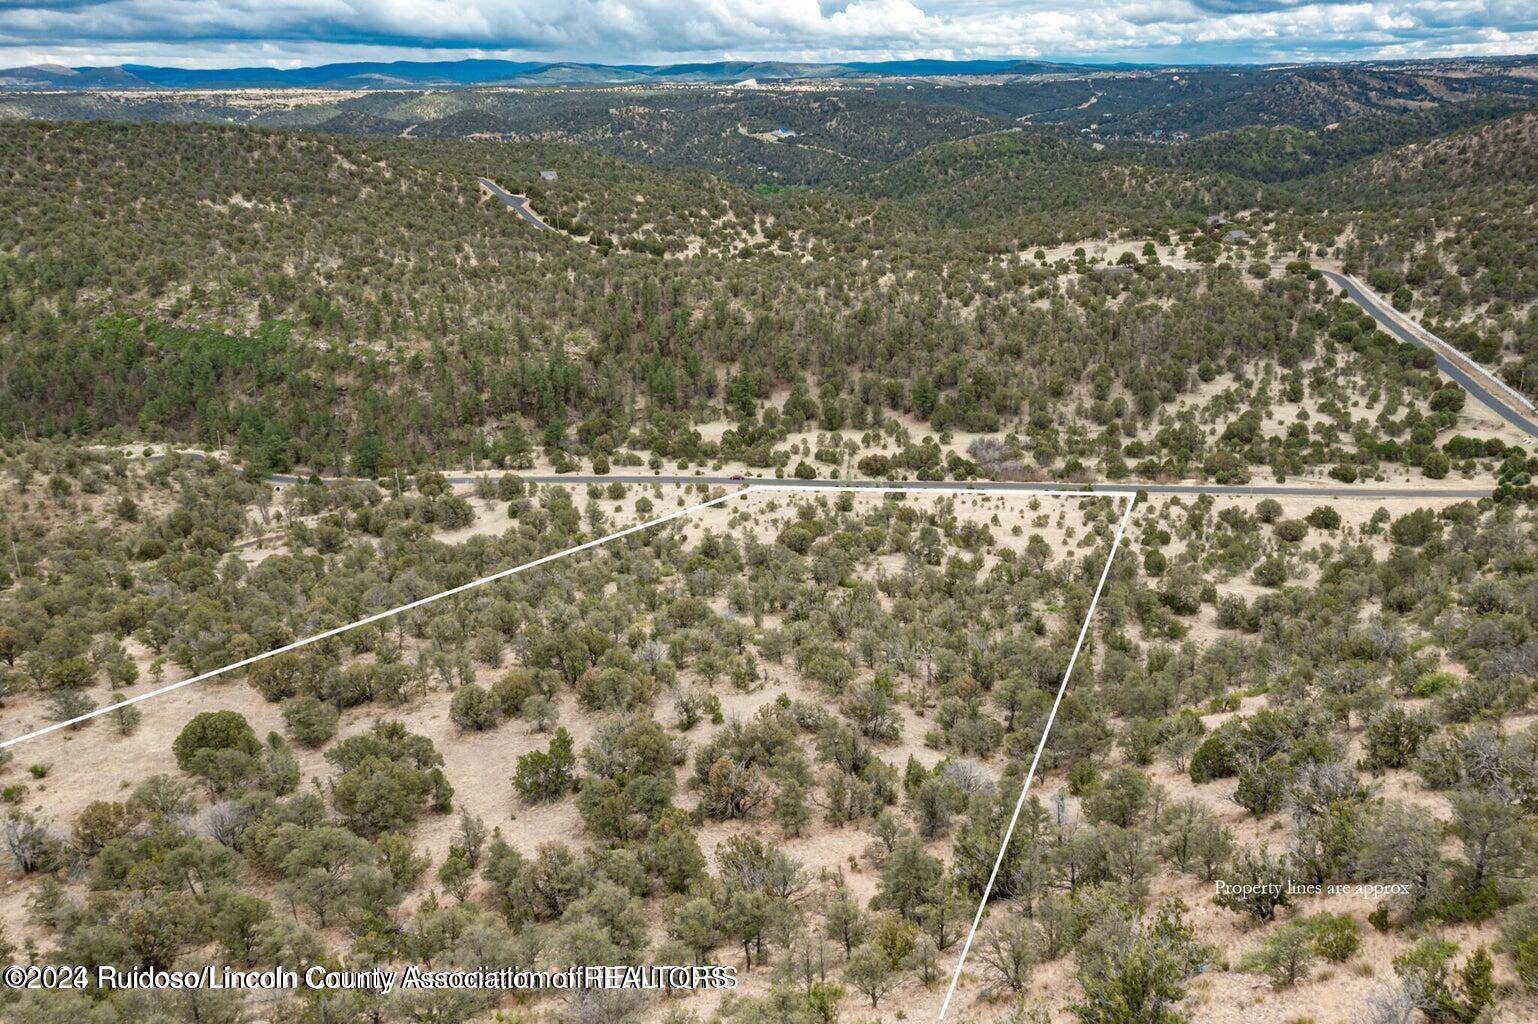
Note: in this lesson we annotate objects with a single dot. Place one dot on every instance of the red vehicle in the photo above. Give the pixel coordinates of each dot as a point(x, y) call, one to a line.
point(738, 476)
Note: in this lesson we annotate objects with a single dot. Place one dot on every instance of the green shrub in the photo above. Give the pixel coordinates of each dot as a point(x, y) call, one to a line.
point(797, 538)
point(1393, 736)
point(512, 690)
point(1414, 529)
point(212, 731)
point(1455, 996)
point(474, 709)
point(1430, 684)
point(1120, 797)
point(543, 776)
point(1082, 777)
point(1448, 398)
point(1262, 789)
point(1291, 530)
point(1344, 472)
point(1323, 518)
point(1336, 937)
point(1524, 957)
point(1270, 573)
point(1214, 759)
point(311, 721)
point(1460, 906)
point(1286, 956)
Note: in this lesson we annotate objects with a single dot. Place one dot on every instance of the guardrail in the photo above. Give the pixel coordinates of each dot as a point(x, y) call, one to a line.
point(1452, 353)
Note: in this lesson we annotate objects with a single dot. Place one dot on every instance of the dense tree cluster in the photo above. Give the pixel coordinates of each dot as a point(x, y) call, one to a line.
point(1303, 694)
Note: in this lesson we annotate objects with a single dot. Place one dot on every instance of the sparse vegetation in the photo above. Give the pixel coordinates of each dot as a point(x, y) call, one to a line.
point(784, 734)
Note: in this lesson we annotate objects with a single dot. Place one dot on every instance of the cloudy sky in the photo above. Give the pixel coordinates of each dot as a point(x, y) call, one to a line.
point(287, 33)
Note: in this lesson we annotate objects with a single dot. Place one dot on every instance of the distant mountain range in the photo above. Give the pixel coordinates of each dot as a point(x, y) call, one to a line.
point(464, 73)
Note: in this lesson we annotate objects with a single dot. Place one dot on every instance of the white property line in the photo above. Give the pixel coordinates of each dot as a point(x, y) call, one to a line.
point(377, 616)
point(543, 560)
point(1041, 745)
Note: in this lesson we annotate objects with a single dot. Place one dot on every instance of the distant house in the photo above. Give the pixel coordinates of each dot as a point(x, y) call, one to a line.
point(784, 133)
point(547, 175)
point(1217, 220)
point(748, 83)
point(1237, 236)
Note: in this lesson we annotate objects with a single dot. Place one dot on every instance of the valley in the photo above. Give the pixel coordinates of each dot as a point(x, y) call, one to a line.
point(514, 515)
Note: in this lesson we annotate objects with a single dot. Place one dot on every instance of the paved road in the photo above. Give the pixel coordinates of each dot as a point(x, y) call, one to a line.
point(1481, 390)
point(519, 204)
point(1256, 490)
point(1362, 297)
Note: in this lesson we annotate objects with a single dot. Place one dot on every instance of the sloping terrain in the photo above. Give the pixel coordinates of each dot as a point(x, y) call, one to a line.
point(1313, 98)
point(1294, 775)
point(1287, 153)
point(1446, 226)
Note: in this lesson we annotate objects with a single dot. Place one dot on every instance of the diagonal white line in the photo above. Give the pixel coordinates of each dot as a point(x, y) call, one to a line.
point(526, 566)
point(503, 574)
point(1041, 745)
point(1121, 530)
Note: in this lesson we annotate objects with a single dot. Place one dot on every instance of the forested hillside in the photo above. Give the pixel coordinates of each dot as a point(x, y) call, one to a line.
point(262, 384)
point(1445, 226)
point(1287, 153)
point(306, 298)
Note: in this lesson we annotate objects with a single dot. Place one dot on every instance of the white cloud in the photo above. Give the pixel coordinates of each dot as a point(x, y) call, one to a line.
point(289, 32)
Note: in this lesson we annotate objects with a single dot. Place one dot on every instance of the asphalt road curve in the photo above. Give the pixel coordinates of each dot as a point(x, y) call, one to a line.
point(1471, 383)
point(519, 204)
